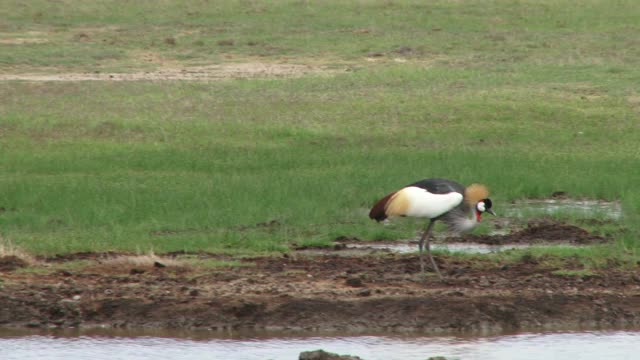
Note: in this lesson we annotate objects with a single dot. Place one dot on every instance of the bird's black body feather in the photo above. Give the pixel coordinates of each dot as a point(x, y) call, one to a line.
point(439, 186)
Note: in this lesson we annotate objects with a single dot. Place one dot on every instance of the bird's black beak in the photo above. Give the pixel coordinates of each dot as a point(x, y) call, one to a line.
point(491, 212)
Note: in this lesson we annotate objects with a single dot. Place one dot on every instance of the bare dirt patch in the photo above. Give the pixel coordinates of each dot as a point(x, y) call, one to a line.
point(325, 290)
point(254, 70)
point(24, 38)
point(23, 41)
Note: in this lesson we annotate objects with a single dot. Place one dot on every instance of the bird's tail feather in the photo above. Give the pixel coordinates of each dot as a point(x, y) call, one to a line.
point(378, 211)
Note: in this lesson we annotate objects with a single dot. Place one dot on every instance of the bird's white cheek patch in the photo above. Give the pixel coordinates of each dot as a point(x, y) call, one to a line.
point(481, 207)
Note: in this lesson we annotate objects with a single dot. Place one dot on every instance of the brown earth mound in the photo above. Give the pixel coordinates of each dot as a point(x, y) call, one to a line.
point(542, 231)
point(10, 263)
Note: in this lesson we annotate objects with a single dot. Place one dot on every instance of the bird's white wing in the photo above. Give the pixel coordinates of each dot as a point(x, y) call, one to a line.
point(418, 202)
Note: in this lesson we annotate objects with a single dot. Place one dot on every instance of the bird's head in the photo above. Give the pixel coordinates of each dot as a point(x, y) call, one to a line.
point(483, 206)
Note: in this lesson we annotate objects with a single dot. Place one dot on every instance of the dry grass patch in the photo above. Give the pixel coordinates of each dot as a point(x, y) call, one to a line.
point(23, 41)
point(634, 101)
point(8, 250)
point(139, 264)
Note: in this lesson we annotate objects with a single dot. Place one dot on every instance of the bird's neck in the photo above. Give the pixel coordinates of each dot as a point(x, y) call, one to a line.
point(472, 221)
point(465, 223)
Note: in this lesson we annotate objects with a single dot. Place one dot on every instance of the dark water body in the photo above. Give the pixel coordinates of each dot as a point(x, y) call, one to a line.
point(98, 345)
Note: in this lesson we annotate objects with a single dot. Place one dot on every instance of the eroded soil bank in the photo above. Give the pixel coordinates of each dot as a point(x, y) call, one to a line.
point(376, 292)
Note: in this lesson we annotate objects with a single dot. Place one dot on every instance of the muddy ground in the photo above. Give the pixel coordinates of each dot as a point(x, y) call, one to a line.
point(374, 291)
point(537, 231)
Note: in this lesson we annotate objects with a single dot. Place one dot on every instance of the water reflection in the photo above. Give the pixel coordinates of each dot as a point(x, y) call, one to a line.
point(412, 247)
point(574, 345)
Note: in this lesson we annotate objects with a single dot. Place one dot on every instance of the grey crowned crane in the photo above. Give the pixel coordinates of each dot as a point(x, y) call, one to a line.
point(436, 199)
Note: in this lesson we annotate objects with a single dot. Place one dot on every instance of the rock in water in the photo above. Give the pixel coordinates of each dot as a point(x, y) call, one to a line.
point(323, 355)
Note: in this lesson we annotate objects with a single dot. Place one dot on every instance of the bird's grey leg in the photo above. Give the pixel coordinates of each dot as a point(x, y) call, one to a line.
point(427, 235)
point(421, 246)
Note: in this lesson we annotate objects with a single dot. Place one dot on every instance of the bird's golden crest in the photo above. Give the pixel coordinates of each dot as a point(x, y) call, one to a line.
point(474, 193)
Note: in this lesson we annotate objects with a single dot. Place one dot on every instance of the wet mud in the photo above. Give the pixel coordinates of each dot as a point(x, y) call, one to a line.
point(539, 231)
point(327, 291)
point(9, 263)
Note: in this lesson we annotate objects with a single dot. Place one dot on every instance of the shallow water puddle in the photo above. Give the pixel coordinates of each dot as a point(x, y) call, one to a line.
point(586, 208)
point(596, 209)
point(411, 247)
point(573, 345)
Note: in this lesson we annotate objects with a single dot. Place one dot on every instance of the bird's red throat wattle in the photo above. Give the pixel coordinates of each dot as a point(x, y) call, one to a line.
point(478, 215)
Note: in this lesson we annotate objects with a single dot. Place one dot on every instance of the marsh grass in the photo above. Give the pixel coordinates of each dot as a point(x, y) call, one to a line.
point(120, 35)
point(82, 182)
point(562, 257)
point(488, 93)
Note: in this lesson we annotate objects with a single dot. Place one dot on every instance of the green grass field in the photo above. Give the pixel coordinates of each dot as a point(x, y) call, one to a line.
point(526, 97)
